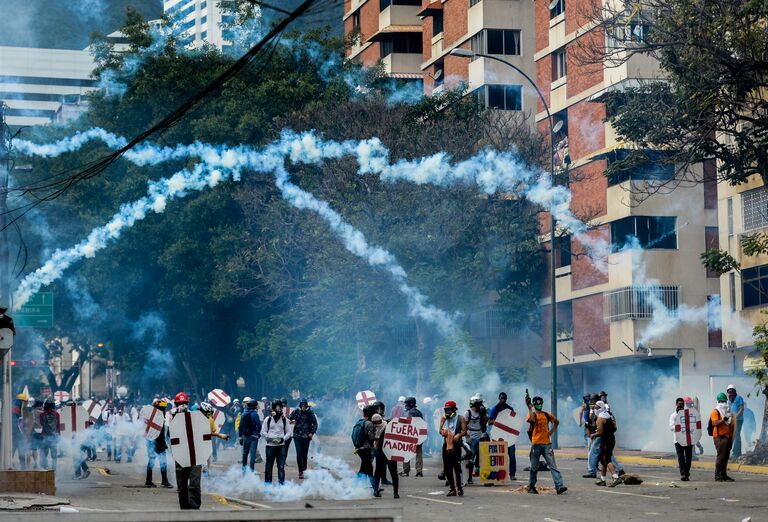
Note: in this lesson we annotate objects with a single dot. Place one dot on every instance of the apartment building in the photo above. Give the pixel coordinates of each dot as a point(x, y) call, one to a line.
point(201, 21)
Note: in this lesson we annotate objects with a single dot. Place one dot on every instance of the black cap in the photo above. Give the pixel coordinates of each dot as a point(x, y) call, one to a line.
point(410, 401)
point(503, 395)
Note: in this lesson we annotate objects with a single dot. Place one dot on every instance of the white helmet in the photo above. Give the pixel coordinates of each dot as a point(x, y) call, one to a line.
point(475, 398)
point(246, 399)
point(427, 400)
point(731, 387)
point(206, 408)
point(401, 398)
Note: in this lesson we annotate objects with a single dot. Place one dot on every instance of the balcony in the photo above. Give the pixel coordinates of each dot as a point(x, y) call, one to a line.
point(402, 64)
point(399, 15)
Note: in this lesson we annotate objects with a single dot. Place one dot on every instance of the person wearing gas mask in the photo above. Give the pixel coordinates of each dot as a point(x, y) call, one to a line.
point(540, 434)
point(207, 409)
point(412, 411)
point(276, 431)
point(304, 428)
point(453, 428)
point(723, 425)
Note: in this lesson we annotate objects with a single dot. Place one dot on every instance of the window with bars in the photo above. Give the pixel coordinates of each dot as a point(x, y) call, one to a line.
point(754, 205)
point(640, 301)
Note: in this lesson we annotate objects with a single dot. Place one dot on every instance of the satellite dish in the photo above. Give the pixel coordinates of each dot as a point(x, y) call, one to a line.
point(553, 4)
point(558, 126)
point(438, 74)
point(6, 340)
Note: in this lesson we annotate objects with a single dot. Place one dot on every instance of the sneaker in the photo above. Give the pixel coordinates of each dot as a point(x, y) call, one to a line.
point(590, 475)
point(377, 493)
point(561, 490)
point(86, 473)
point(600, 483)
point(461, 492)
point(685, 479)
point(301, 476)
point(419, 474)
point(513, 478)
point(532, 489)
point(451, 493)
point(615, 482)
point(397, 495)
point(167, 485)
point(469, 480)
point(622, 472)
point(150, 485)
point(403, 474)
point(441, 476)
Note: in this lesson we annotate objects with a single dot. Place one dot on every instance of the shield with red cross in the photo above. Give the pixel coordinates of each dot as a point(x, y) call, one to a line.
point(219, 398)
point(93, 408)
point(219, 419)
point(153, 421)
point(419, 423)
point(507, 426)
point(61, 396)
point(401, 439)
point(190, 438)
point(365, 398)
point(74, 421)
point(688, 427)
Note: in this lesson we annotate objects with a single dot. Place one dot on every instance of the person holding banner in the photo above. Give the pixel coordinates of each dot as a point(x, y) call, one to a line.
point(492, 414)
point(156, 449)
point(453, 428)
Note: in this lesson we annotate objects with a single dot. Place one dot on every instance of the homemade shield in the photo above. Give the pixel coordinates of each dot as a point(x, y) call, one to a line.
point(401, 439)
point(93, 408)
point(74, 420)
point(190, 438)
point(419, 423)
point(219, 398)
point(507, 426)
point(153, 421)
point(219, 419)
point(365, 398)
point(493, 462)
point(688, 427)
point(61, 396)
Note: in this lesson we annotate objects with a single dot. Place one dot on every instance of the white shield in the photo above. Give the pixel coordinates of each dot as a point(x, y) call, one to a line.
point(419, 423)
point(190, 438)
point(688, 427)
point(401, 439)
point(93, 408)
point(219, 419)
point(74, 421)
point(365, 398)
point(6, 339)
point(219, 398)
point(507, 426)
point(153, 421)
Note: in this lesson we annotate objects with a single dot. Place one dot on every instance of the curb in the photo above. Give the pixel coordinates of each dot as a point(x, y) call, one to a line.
point(671, 463)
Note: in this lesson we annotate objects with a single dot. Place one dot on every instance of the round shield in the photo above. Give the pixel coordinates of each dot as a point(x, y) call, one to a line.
point(153, 421)
point(688, 427)
point(365, 398)
point(74, 421)
point(219, 419)
point(401, 439)
point(219, 398)
point(61, 396)
point(93, 408)
point(190, 438)
point(507, 426)
point(6, 339)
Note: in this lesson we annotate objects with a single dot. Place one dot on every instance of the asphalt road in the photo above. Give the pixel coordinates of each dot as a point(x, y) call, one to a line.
point(661, 497)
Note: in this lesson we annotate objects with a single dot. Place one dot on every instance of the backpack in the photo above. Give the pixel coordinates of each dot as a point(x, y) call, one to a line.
point(358, 434)
point(710, 426)
point(50, 424)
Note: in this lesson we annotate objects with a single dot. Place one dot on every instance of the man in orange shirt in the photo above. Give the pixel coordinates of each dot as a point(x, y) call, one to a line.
point(541, 444)
point(723, 427)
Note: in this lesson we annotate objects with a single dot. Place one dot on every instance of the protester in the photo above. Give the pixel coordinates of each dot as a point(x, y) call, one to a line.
point(398, 410)
point(207, 409)
point(723, 427)
point(382, 462)
point(736, 405)
point(492, 414)
point(595, 442)
point(249, 431)
point(380, 408)
point(453, 429)
point(412, 411)
point(363, 436)
point(156, 450)
point(187, 478)
point(684, 453)
point(50, 421)
point(276, 431)
point(107, 423)
point(304, 428)
point(541, 443)
point(606, 430)
point(477, 422)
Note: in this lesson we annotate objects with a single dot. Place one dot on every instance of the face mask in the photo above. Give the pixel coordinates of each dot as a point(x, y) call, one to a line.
point(449, 413)
point(680, 407)
point(538, 406)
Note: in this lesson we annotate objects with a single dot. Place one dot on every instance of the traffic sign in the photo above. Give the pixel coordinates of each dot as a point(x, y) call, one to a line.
point(36, 313)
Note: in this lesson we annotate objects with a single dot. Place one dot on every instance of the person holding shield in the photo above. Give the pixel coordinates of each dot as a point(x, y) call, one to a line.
point(453, 428)
point(382, 462)
point(187, 478)
point(412, 411)
point(492, 414)
point(156, 450)
point(684, 453)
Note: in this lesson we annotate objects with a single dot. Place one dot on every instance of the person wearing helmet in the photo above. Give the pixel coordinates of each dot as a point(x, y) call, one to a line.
point(477, 422)
point(249, 432)
point(156, 448)
point(453, 428)
point(277, 431)
point(737, 405)
point(206, 408)
point(722, 426)
point(304, 428)
point(398, 410)
point(541, 444)
point(412, 411)
point(188, 477)
point(50, 421)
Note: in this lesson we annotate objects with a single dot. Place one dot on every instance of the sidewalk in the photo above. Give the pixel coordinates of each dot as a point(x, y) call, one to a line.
point(657, 458)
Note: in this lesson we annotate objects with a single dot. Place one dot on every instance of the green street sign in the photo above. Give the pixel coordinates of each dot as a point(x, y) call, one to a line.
point(37, 313)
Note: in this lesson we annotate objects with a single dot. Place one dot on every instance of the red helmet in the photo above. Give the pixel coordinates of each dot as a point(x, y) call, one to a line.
point(450, 404)
point(181, 398)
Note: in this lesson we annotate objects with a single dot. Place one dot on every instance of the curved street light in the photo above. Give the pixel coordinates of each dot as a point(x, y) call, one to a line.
point(467, 53)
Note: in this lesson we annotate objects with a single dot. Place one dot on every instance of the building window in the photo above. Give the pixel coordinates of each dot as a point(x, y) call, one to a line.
point(564, 321)
point(730, 217)
point(559, 68)
point(497, 41)
point(754, 286)
point(646, 165)
point(473, 3)
point(712, 242)
point(504, 97)
point(754, 209)
point(563, 254)
point(437, 23)
point(401, 43)
point(556, 8)
point(356, 22)
point(732, 290)
point(639, 302)
point(714, 330)
point(383, 4)
point(648, 231)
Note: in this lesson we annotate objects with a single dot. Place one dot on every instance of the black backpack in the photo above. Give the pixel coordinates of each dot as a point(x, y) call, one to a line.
point(358, 434)
point(710, 426)
point(50, 424)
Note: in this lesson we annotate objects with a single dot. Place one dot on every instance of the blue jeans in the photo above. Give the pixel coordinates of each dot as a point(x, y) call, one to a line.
point(152, 456)
point(275, 454)
point(594, 455)
point(544, 450)
point(475, 445)
point(512, 461)
point(737, 438)
point(250, 446)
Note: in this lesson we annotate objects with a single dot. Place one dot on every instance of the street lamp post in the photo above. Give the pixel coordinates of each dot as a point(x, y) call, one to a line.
point(466, 53)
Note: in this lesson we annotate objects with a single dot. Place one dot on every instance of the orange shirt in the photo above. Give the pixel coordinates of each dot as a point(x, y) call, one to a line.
point(540, 433)
point(722, 430)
